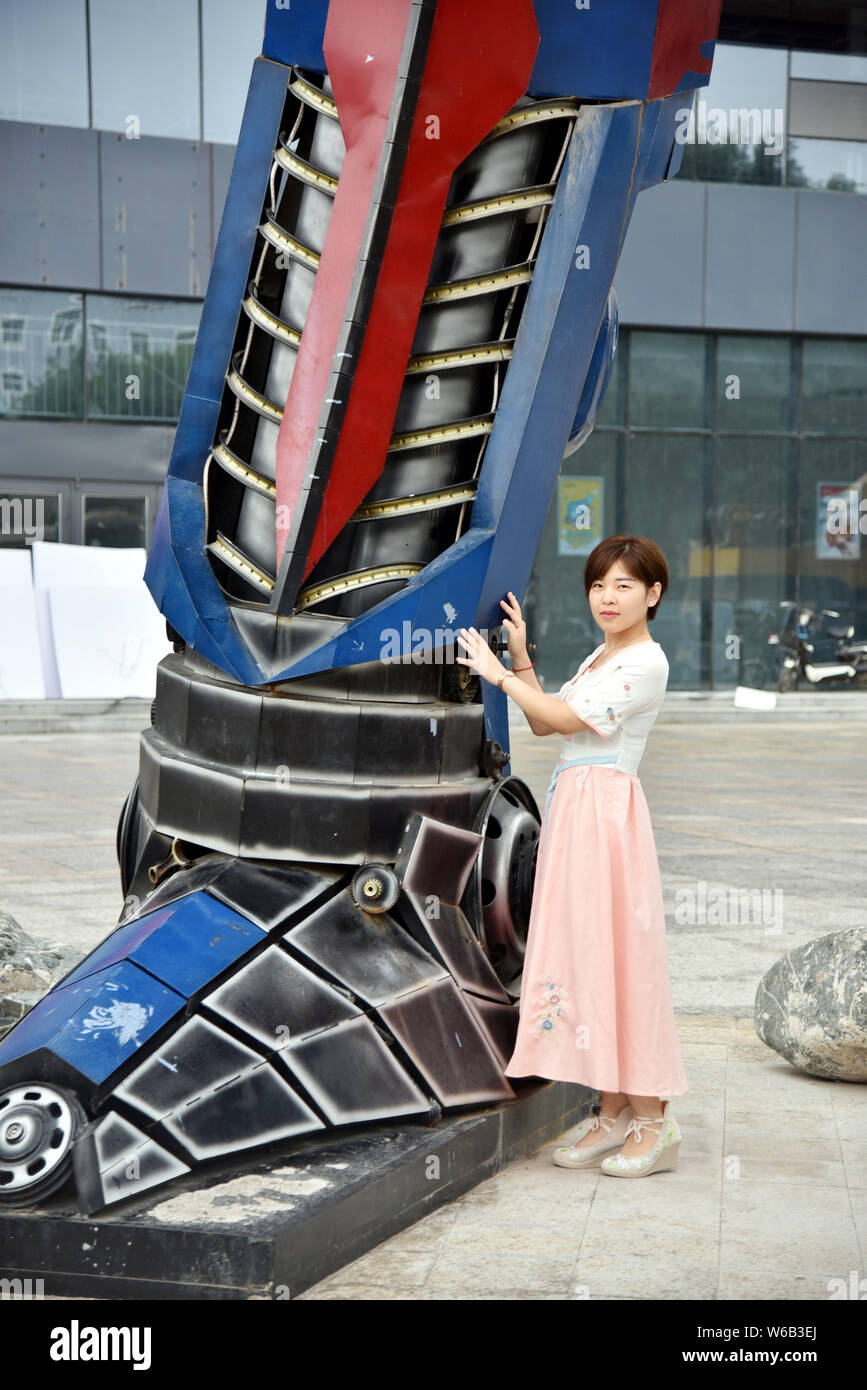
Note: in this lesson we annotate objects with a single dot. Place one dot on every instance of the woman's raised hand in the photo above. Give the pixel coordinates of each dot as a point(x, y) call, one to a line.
point(517, 628)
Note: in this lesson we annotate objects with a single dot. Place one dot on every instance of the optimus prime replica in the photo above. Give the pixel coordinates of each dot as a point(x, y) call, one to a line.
point(327, 865)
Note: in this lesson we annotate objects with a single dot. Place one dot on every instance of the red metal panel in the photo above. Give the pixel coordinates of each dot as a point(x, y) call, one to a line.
point(478, 65)
point(363, 91)
point(681, 27)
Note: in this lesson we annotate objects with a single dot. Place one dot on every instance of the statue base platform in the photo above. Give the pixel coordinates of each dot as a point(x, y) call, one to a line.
point(243, 1229)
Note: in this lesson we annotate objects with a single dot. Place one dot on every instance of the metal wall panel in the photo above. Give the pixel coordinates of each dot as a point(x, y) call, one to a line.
point(830, 290)
point(750, 258)
point(660, 276)
point(49, 230)
point(828, 110)
point(115, 453)
point(156, 215)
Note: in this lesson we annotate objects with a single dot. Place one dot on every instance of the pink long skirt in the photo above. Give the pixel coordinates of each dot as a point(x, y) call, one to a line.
point(596, 1002)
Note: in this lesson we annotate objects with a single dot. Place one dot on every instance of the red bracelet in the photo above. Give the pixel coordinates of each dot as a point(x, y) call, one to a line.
point(524, 668)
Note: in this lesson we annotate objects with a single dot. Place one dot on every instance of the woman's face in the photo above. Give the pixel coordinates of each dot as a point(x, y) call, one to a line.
point(618, 601)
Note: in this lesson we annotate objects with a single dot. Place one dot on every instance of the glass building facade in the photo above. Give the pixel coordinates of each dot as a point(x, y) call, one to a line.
point(722, 448)
point(737, 404)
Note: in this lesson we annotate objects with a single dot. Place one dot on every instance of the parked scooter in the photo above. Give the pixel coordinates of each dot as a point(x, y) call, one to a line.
point(843, 660)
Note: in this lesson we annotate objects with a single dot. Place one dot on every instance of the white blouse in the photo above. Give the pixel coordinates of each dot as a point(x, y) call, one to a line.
point(619, 700)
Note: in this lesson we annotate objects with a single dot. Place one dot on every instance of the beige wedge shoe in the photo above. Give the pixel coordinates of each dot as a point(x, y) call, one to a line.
point(612, 1132)
point(661, 1158)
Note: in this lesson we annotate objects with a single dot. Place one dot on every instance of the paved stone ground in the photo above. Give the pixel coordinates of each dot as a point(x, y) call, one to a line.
point(770, 1198)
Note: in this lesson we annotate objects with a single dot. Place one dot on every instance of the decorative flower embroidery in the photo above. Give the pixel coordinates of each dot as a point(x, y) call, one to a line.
point(611, 715)
point(552, 1004)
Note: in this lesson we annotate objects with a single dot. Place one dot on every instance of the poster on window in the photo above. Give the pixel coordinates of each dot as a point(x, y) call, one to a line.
point(579, 515)
point(838, 536)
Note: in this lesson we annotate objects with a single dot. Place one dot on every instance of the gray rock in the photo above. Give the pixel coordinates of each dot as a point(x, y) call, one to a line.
point(811, 1006)
point(27, 970)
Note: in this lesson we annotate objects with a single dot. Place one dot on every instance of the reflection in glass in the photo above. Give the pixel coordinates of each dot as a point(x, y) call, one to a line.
point(664, 501)
point(738, 133)
point(754, 385)
point(668, 379)
point(839, 583)
point(556, 608)
point(835, 385)
point(114, 521)
point(839, 166)
point(26, 517)
point(611, 411)
point(40, 354)
point(753, 525)
point(138, 356)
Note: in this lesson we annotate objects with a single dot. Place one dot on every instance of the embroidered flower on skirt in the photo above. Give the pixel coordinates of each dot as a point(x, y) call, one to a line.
point(553, 996)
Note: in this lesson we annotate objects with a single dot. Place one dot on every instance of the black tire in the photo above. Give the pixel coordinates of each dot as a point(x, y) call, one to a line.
point(127, 839)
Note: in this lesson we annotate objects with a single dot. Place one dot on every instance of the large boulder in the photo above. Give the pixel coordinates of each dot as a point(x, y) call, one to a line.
point(811, 1006)
point(27, 970)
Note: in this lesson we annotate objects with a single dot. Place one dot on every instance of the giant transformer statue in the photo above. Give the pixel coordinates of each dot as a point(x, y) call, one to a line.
point(327, 863)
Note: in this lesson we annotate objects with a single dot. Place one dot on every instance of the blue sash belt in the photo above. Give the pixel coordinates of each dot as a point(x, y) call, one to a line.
point(576, 761)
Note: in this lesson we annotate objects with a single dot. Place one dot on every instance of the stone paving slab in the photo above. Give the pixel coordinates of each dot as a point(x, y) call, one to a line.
point(770, 1197)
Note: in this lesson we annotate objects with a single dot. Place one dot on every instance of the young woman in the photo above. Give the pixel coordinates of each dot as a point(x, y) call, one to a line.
point(596, 1002)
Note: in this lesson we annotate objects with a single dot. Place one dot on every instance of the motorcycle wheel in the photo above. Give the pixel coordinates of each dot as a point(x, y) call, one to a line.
point(787, 679)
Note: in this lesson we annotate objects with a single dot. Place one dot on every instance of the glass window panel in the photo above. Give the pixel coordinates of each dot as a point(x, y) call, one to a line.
point(26, 517)
point(555, 608)
point(667, 379)
point(833, 578)
point(829, 67)
point(40, 354)
point(231, 39)
point(138, 356)
point(753, 531)
point(114, 521)
point(145, 63)
point(835, 385)
point(739, 118)
point(839, 166)
point(664, 492)
point(43, 62)
point(755, 387)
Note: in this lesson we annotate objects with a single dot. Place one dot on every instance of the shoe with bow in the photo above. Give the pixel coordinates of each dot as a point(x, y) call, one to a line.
point(662, 1157)
point(612, 1130)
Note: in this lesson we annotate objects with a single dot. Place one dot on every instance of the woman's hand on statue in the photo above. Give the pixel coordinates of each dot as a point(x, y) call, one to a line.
point(517, 629)
point(480, 657)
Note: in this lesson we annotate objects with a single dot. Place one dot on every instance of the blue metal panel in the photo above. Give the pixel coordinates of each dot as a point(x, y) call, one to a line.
point(97, 1023)
point(598, 376)
point(177, 562)
point(603, 52)
point(201, 937)
point(184, 944)
point(295, 32)
point(120, 945)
